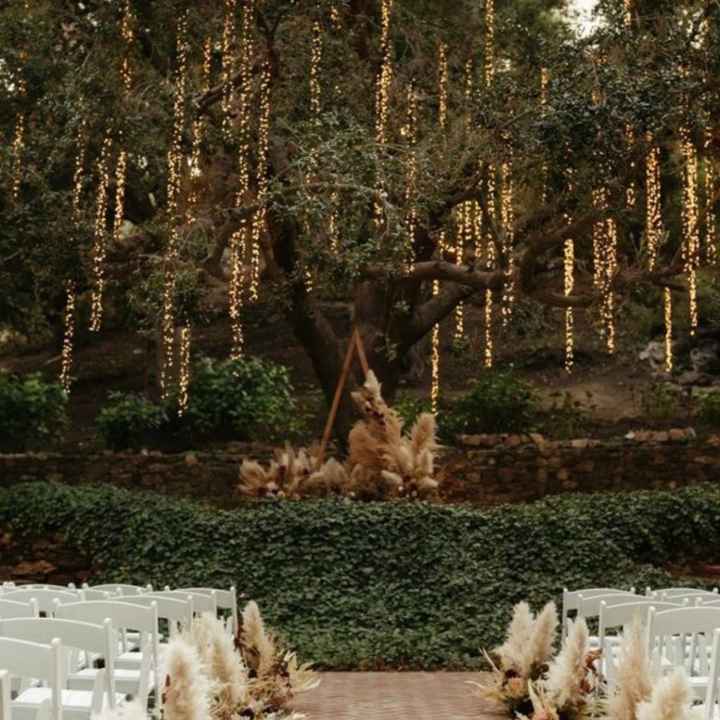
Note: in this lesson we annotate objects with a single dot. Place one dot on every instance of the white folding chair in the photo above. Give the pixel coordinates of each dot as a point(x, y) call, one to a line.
point(174, 612)
point(46, 599)
point(123, 616)
point(202, 603)
point(679, 638)
point(91, 640)
point(669, 591)
point(70, 587)
point(573, 598)
point(226, 600)
point(709, 710)
point(13, 608)
point(89, 594)
point(619, 615)
point(32, 661)
point(4, 695)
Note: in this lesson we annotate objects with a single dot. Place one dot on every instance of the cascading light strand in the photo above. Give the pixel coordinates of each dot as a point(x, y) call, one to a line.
point(544, 93)
point(667, 297)
point(18, 145)
point(443, 75)
point(228, 67)
point(490, 261)
point(435, 343)
point(631, 191)
point(569, 285)
point(239, 240)
point(653, 201)
point(184, 371)
point(489, 42)
point(461, 222)
point(174, 180)
point(128, 36)
point(316, 52)
point(691, 232)
point(507, 215)
point(199, 127)
point(611, 265)
point(263, 181)
point(99, 248)
point(409, 132)
point(382, 101)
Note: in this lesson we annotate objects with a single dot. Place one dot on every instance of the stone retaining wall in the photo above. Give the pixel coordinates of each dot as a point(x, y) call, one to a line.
point(482, 470)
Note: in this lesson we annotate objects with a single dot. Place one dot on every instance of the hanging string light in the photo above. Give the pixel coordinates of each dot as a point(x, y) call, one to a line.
point(120, 177)
point(711, 234)
point(382, 98)
point(70, 289)
point(18, 143)
point(175, 165)
point(435, 343)
point(409, 132)
point(184, 374)
point(461, 223)
point(611, 265)
point(691, 233)
point(228, 68)
point(631, 191)
point(128, 36)
point(263, 181)
point(489, 266)
point(667, 297)
point(199, 126)
point(239, 240)
point(569, 286)
point(489, 42)
point(315, 68)
point(653, 201)
point(508, 238)
point(99, 249)
point(443, 75)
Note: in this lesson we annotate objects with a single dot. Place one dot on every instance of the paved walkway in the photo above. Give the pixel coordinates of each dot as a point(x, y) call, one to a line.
point(395, 696)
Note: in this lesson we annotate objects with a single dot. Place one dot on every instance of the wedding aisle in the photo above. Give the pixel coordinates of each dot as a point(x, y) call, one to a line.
point(395, 696)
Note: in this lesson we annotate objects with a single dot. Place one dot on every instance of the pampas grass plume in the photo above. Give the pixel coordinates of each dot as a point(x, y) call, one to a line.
point(541, 643)
point(512, 651)
point(634, 681)
point(256, 636)
point(186, 688)
point(670, 699)
point(567, 672)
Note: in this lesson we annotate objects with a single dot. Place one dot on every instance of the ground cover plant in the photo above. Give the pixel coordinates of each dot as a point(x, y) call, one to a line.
point(376, 585)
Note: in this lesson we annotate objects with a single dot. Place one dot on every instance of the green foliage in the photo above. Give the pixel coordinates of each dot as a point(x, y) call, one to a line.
point(376, 585)
point(567, 418)
point(32, 411)
point(129, 421)
point(659, 402)
point(709, 410)
point(247, 399)
point(410, 407)
point(497, 403)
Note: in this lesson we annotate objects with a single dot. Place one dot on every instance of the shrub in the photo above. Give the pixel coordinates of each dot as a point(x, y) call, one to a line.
point(497, 403)
point(246, 399)
point(376, 585)
point(709, 410)
point(130, 421)
point(32, 411)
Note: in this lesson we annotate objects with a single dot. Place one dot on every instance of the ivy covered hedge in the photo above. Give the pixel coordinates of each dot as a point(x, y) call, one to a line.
point(376, 585)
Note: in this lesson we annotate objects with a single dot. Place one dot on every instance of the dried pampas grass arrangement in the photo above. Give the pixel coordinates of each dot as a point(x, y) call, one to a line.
point(670, 699)
point(634, 680)
point(383, 462)
point(522, 659)
point(274, 673)
point(186, 693)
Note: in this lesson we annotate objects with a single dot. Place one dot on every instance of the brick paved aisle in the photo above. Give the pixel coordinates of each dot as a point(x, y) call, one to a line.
point(395, 696)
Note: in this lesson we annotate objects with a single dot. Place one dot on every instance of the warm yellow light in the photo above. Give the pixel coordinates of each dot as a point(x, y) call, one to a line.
point(228, 67)
point(569, 286)
point(711, 233)
point(442, 86)
point(99, 248)
point(490, 260)
point(128, 36)
point(411, 173)
point(507, 215)
point(691, 231)
point(435, 357)
point(382, 100)
point(667, 296)
point(544, 88)
point(315, 68)
point(184, 371)
point(653, 201)
point(462, 221)
point(489, 42)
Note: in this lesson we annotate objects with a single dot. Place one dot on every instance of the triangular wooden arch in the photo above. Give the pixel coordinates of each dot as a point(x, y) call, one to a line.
point(354, 346)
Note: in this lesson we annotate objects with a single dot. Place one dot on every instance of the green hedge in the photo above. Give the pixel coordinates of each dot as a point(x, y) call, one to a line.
point(376, 585)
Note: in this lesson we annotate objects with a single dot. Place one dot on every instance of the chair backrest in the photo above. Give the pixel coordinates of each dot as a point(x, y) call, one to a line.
point(713, 688)
point(589, 607)
point(24, 659)
point(226, 600)
point(667, 591)
point(4, 695)
point(13, 608)
point(173, 610)
point(123, 616)
point(46, 599)
point(202, 603)
point(88, 594)
point(691, 597)
point(571, 600)
point(120, 589)
point(70, 587)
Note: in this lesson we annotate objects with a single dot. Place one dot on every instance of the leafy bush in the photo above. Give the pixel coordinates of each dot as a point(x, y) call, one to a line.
point(245, 399)
point(497, 403)
point(411, 407)
point(709, 410)
point(130, 421)
point(32, 411)
point(376, 585)
point(659, 402)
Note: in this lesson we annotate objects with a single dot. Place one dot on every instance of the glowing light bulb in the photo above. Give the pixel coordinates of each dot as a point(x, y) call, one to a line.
point(667, 296)
point(184, 374)
point(653, 201)
point(691, 233)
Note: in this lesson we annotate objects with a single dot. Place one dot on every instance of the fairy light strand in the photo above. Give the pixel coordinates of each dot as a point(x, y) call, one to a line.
point(544, 92)
point(382, 100)
point(460, 224)
point(508, 238)
point(228, 67)
point(711, 230)
point(653, 201)
point(489, 42)
point(409, 132)
point(128, 36)
point(99, 248)
point(175, 164)
point(18, 144)
point(184, 372)
point(691, 234)
point(435, 342)
point(667, 298)
point(569, 286)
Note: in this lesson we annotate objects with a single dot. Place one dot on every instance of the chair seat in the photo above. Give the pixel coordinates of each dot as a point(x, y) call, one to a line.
point(76, 703)
point(133, 660)
point(127, 681)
